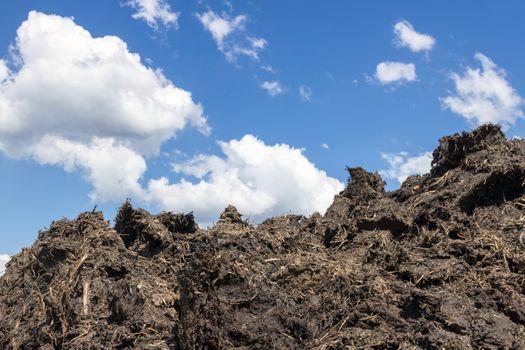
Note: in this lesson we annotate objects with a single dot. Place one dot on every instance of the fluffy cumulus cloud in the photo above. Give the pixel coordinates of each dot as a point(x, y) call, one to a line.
point(391, 72)
point(273, 88)
point(4, 259)
point(402, 166)
point(90, 105)
point(4, 71)
point(406, 36)
point(484, 95)
point(156, 13)
point(99, 159)
point(231, 36)
point(246, 177)
point(84, 102)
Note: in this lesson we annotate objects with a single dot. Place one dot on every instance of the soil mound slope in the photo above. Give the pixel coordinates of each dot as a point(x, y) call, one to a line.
point(437, 264)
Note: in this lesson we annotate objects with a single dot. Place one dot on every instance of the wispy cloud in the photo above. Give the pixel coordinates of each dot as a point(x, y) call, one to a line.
point(273, 88)
point(268, 68)
point(406, 36)
point(156, 13)
point(231, 36)
point(306, 93)
point(325, 146)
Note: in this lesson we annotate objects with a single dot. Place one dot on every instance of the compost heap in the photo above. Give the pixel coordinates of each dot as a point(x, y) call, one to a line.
point(437, 264)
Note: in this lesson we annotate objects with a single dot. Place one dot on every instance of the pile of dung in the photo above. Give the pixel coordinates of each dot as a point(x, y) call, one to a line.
point(437, 264)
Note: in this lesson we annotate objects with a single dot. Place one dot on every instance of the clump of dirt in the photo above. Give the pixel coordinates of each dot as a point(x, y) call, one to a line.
point(437, 264)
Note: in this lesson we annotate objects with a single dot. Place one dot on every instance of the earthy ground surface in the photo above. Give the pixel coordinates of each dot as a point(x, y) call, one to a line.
point(438, 264)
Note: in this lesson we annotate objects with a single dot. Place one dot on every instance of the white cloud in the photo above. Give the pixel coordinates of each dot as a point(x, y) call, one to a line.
point(402, 166)
point(484, 95)
point(259, 179)
point(4, 259)
point(4, 71)
point(273, 88)
point(406, 36)
point(221, 27)
point(325, 146)
point(99, 159)
point(268, 69)
point(390, 72)
point(230, 35)
point(258, 43)
point(305, 92)
point(156, 13)
point(88, 103)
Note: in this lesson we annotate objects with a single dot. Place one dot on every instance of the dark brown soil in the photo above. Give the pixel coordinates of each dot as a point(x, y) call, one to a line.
point(437, 264)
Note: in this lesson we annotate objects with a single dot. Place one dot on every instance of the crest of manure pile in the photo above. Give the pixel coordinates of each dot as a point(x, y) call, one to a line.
point(437, 264)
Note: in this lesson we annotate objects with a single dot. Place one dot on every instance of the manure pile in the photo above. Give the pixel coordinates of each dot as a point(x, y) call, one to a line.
point(437, 264)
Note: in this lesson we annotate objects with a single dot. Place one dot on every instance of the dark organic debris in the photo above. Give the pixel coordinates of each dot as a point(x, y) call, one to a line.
point(437, 264)
point(230, 216)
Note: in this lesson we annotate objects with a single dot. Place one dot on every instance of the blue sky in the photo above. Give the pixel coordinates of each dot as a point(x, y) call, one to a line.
point(164, 101)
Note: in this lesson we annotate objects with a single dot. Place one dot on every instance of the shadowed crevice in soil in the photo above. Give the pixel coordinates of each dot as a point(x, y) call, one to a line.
point(437, 264)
